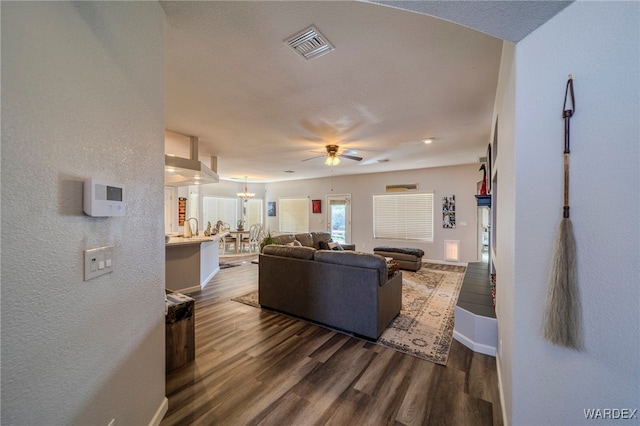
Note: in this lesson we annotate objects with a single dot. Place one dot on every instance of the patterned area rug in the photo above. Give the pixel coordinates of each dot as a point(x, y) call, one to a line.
point(424, 327)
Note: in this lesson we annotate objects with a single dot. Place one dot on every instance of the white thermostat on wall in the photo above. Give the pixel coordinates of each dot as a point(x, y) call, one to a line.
point(103, 199)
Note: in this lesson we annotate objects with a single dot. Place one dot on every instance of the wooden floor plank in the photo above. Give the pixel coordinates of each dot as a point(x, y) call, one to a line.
point(412, 411)
point(255, 367)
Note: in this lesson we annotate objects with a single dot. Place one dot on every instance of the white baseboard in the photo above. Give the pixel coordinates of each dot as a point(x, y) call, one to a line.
point(474, 346)
point(502, 406)
point(160, 412)
point(188, 289)
point(204, 282)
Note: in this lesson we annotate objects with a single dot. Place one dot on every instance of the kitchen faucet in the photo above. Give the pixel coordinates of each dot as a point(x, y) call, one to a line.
point(197, 226)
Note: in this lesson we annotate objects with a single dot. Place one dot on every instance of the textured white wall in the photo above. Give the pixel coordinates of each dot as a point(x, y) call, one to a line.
point(82, 96)
point(458, 180)
point(598, 42)
point(505, 208)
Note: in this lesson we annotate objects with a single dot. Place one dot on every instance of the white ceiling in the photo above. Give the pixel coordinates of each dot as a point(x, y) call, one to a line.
point(395, 78)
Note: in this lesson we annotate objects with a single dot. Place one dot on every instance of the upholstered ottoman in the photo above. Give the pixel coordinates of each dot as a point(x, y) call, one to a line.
point(406, 258)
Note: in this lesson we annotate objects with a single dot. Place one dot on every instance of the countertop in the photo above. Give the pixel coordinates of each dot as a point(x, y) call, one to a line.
point(179, 241)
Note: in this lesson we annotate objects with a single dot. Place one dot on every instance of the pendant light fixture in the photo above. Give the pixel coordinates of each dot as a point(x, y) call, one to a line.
point(246, 195)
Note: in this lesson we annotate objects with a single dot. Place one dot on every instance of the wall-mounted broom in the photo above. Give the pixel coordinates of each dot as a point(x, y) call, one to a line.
point(562, 320)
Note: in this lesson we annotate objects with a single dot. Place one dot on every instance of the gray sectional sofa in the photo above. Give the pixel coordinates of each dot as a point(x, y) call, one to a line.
point(311, 239)
point(346, 290)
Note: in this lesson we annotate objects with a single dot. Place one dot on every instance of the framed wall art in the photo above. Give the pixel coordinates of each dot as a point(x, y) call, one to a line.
point(271, 208)
point(449, 211)
point(316, 206)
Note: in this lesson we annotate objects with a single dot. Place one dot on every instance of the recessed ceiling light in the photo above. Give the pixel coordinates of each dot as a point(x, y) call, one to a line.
point(289, 171)
point(384, 160)
point(427, 141)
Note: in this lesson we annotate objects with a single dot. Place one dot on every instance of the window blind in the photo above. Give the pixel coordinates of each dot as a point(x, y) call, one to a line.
point(294, 215)
point(403, 217)
point(224, 209)
point(254, 212)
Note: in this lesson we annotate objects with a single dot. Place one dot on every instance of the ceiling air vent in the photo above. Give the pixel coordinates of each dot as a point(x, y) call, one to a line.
point(310, 43)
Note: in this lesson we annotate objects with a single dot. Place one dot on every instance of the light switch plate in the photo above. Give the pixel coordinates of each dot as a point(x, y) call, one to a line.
point(98, 261)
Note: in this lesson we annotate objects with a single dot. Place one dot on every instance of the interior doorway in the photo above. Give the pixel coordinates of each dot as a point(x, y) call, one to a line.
point(484, 226)
point(339, 217)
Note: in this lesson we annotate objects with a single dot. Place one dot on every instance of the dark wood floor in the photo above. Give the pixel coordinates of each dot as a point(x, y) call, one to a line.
point(256, 367)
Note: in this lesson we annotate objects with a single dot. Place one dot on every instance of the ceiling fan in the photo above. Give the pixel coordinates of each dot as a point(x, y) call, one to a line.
point(333, 155)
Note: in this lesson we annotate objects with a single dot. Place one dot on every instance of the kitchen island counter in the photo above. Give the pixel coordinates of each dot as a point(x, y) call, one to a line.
point(190, 263)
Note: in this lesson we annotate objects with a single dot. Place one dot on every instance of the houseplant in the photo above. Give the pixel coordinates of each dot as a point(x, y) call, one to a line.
point(240, 226)
point(268, 239)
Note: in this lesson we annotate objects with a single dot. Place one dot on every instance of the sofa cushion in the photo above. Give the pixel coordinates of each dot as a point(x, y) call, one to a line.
point(285, 238)
point(294, 243)
point(305, 239)
point(324, 245)
point(320, 237)
point(305, 253)
point(354, 258)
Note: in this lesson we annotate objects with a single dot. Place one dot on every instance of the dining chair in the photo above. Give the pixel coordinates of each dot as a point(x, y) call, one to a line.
point(229, 239)
point(252, 240)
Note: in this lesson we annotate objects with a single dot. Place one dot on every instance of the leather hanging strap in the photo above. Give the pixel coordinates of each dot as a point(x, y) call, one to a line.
point(566, 114)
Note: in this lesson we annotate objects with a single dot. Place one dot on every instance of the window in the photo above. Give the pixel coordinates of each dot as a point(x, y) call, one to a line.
point(294, 215)
point(224, 209)
point(253, 214)
point(403, 217)
point(193, 205)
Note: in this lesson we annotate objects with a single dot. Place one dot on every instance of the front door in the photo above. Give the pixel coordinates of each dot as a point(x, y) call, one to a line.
point(339, 217)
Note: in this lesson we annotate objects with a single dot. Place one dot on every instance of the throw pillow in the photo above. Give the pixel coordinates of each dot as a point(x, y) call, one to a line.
point(335, 246)
point(392, 268)
point(323, 245)
point(295, 243)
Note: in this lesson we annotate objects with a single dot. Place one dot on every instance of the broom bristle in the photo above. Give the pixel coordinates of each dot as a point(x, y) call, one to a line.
point(562, 321)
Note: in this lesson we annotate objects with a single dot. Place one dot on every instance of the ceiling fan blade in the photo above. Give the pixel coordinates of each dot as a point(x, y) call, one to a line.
point(352, 157)
point(312, 158)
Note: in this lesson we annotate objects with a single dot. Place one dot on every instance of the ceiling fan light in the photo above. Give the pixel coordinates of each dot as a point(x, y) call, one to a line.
point(332, 161)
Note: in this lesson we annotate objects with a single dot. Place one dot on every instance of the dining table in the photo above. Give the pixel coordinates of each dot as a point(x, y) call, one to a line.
point(238, 234)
